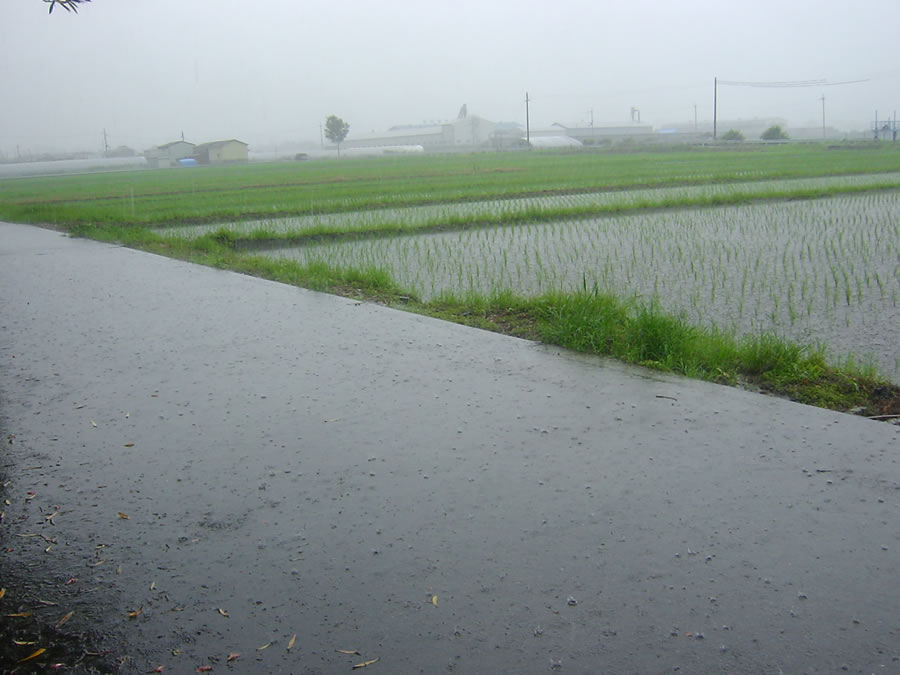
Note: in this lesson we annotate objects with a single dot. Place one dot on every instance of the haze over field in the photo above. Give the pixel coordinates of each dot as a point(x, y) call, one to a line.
point(270, 71)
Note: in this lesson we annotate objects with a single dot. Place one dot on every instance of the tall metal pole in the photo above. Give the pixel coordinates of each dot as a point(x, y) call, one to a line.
point(527, 122)
point(715, 105)
point(823, 115)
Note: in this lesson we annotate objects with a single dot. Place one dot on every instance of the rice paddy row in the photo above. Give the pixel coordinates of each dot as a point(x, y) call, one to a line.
point(534, 208)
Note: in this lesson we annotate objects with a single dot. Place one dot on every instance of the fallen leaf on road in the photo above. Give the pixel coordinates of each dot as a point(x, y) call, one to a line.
point(2, 593)
point(223, 612)
point(129, 445)
point(34, 655)
point(265, 646)
point(124, 516)
point(204, 669)
point(364, 664)
point(292, 641)
point(23, 643)
point(434, 600)
point(93, 423)
point(232, 656)
point(19, 614)
point(158, 669)
point(136, 613)
point(353, 652)
point(65, 618)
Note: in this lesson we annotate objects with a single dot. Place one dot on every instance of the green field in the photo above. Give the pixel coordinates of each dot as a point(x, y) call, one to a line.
point(214, 194)
point(571, 248)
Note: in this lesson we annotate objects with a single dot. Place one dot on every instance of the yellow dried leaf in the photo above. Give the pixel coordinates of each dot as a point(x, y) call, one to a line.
point(352, 652)
point(136, 613)
point(232, 656)
point(93, 423)
point(434, 600)
point(265, 646)
point(223, 612)
point(365, 663)
point(65, 618)
point(24, 643)
point(19, 614)
point(33, 655)
point(124, 516)
point(292, 641)
point(2, 593)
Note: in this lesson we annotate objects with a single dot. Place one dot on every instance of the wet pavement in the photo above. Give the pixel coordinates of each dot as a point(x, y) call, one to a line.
point(236, 462)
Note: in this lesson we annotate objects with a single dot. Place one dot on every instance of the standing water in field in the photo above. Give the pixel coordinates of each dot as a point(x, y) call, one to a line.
point(824, 271)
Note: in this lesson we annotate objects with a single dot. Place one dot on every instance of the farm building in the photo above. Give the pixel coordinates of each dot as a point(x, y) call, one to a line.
point(466, 131)
point(164, 156)
point(221, 152)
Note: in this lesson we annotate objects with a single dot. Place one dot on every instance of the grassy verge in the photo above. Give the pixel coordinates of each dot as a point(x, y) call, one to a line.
point(586, 322)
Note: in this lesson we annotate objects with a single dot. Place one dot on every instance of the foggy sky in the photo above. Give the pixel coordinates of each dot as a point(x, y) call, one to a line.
point(269, 71)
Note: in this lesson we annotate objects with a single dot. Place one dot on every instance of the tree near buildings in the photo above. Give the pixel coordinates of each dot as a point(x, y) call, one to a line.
point(336, 130)
point(774, 133)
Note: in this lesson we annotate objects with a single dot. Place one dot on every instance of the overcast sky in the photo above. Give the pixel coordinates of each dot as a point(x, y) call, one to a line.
point(270, 71)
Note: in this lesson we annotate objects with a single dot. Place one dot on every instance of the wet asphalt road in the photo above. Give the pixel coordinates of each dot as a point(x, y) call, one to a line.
point(436, 497)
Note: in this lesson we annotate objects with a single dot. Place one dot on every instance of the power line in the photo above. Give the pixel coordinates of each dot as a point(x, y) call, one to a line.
point(794, 83)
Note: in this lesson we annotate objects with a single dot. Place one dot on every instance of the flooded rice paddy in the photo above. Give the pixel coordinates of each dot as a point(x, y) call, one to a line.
point(534, 205)
point(821, 271)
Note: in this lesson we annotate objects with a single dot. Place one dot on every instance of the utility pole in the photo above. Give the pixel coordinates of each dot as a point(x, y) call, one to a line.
point(823, 115)
point(527, 121)
point(591, 111)
point(715, 105)
point(105, 144)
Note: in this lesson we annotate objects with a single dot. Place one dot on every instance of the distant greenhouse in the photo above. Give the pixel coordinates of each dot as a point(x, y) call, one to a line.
point(554, 142)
